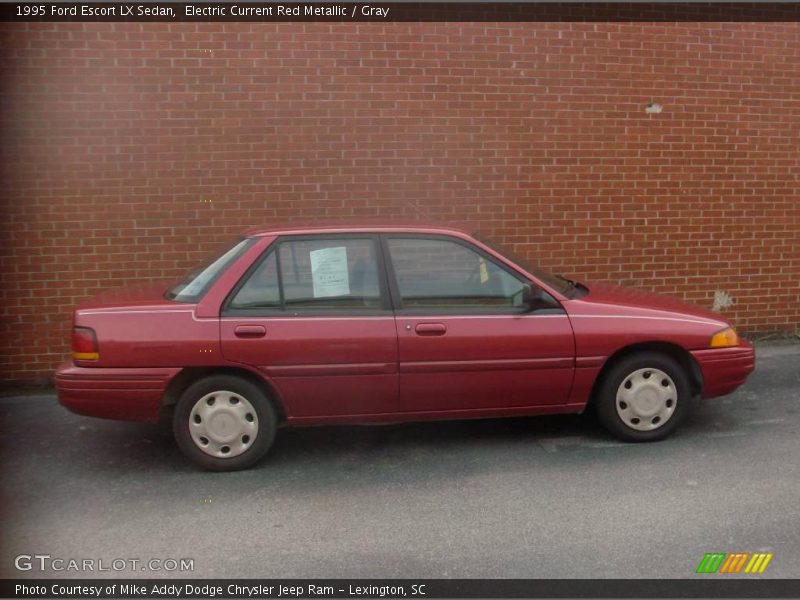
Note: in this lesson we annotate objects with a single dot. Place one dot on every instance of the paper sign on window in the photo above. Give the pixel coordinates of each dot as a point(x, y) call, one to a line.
point(329, 272)
point(484, 271)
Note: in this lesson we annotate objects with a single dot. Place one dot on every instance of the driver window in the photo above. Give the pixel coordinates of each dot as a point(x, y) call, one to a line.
point(445, 274)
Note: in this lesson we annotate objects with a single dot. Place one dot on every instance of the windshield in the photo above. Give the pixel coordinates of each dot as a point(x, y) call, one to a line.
point(564, 286)
point(194, 285)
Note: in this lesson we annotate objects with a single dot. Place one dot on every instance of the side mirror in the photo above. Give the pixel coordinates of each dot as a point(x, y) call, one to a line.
point(529, 296)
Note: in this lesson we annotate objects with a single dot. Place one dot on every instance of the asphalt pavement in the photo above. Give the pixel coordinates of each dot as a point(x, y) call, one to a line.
point(524, 497)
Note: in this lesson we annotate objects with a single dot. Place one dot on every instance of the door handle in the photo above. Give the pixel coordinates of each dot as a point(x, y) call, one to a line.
point(430, 329)
point(250, 331)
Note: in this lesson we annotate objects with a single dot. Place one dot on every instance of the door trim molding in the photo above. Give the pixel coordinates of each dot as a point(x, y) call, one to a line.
point(328, 370)
point(517, 364)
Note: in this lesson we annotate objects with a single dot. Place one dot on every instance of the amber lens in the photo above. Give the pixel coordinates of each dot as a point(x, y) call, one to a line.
point(724, 339)
point(84, 344)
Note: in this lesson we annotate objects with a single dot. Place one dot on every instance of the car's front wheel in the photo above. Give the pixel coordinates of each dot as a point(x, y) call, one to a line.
point(224, 423)
point(643, 397)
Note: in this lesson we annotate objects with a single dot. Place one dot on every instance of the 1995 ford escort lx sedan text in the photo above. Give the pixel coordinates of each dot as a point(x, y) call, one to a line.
point(315, 325)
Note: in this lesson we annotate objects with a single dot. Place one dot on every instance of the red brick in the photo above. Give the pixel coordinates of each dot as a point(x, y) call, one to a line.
point(533, 132)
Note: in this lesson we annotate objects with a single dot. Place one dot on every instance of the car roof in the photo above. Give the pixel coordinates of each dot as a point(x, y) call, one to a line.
point(384, 226)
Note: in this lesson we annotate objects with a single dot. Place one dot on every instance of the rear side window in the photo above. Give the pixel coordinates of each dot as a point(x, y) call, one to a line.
point(196, 283)
point(261, 290)
point(329, 274)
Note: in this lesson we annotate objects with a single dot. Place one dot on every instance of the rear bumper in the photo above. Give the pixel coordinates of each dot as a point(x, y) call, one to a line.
point(123, 394)
point(725, 369)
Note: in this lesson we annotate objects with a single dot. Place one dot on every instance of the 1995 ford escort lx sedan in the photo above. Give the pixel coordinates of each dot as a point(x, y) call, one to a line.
point(332, 324)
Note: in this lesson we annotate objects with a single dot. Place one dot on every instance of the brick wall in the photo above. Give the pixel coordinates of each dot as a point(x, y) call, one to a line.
point(129, 150)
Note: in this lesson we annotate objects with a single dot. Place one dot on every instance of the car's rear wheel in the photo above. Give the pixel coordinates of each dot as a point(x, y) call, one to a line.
point(643, 397)
point(224, 423)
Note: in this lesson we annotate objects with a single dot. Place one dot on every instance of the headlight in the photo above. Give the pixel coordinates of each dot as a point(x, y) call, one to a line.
point(724, 339)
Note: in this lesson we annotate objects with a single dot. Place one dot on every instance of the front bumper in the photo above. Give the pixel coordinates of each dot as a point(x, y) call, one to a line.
point(113, 393)
point(725, 369)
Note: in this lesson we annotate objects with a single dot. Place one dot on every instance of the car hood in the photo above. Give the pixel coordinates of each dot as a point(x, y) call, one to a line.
point(626, 297)
point(141, 294)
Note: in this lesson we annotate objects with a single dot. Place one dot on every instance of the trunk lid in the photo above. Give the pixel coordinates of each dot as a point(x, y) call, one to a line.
point(141, 294)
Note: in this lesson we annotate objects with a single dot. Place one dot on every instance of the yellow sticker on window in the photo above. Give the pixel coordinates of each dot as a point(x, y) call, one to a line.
point(484, 272)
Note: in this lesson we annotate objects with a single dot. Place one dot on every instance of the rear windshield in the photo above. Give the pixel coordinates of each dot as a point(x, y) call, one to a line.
point(192, 287)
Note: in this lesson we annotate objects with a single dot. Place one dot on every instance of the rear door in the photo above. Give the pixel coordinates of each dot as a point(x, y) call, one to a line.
point(314, 315)
point(465, 340)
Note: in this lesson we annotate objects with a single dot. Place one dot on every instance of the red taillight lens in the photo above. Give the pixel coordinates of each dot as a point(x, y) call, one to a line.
point(84, 344)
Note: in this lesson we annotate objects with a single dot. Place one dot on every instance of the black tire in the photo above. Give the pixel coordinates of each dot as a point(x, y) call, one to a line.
point(606, 402)
point(267, 422)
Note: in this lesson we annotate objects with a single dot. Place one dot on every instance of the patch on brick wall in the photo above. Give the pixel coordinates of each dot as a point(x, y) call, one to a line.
point(722, 300)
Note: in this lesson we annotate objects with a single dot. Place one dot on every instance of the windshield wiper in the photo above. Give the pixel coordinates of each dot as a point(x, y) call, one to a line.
point(569, 281)
point(572, 286)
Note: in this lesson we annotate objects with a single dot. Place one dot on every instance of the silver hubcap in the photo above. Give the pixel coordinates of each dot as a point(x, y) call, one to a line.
point(223, 424)
point(646, 399)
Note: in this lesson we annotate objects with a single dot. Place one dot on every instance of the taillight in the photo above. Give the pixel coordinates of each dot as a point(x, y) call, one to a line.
point(84, 344)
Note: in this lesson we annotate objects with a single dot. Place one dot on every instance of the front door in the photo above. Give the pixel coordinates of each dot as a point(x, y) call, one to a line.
point(314, 316)
point(465, 341)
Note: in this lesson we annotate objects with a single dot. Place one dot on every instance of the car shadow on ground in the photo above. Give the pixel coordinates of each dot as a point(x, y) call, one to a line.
point(340, 449)
point(117, 448)
point(133, 445)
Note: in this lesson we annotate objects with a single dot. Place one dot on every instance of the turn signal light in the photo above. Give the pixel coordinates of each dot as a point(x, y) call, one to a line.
point(724, 339)
point(84, 344)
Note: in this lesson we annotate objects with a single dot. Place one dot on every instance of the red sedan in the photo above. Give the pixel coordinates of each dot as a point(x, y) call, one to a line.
point(308, 326)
